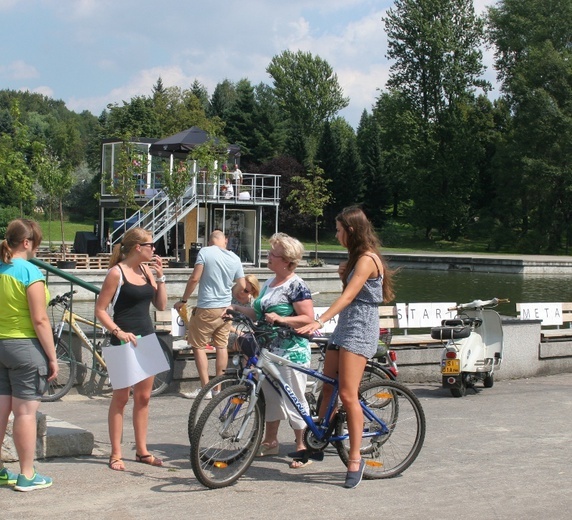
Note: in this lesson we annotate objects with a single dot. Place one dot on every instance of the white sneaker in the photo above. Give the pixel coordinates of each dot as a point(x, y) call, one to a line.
point(195, 392)
point(215, 392)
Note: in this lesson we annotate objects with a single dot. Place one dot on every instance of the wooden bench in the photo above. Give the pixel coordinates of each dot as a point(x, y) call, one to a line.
point(388, 319)
point(554, 332)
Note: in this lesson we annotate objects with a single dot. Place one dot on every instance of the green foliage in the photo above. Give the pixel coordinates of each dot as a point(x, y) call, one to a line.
point(535, 62)
point(308, 92)
point(7, 214)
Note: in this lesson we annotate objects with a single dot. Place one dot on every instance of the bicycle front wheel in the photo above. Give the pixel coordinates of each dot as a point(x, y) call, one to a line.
point(62, 384)
point(391, 406)
point(164, 379)
point(218, 456)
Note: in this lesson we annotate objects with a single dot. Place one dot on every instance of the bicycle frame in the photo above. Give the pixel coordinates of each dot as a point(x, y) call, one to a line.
point(73, 320)
point(266, 369)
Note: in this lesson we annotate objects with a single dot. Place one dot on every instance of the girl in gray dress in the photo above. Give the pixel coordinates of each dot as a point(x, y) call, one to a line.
point(367, 283)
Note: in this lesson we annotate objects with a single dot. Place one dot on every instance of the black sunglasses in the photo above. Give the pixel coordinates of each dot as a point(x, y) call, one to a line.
point(147, 244)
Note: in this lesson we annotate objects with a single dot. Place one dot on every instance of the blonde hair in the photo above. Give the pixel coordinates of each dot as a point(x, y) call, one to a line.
point(133, 237)
point(293, 248)
point(252, 280)
point(17, 231)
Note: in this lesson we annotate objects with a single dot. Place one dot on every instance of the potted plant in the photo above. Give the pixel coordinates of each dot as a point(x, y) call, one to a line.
point(175, 184)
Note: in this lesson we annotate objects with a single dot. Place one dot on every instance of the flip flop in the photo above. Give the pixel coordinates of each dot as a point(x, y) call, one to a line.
point(305, 455)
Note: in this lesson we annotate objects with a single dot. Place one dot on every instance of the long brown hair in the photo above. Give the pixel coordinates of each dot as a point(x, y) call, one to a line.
point(17, 231)
point(133, 237)
point(361, 238)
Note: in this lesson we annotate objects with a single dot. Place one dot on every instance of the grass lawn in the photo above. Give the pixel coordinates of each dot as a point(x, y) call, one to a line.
point(52, 233)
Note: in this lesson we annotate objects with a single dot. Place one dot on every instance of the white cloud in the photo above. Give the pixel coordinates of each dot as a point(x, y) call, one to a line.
point(18, 70)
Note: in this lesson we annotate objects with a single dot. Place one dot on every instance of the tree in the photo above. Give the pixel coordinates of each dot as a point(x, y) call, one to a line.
point(438, 64)
point(129, 167)
point(399, 133)
point(201, 93)
point(534, 61)
point(311, 198)
point(56, 180)
point(209, 157)
point(269, 125)
point(223, 98)
point(16, 179)
point(239, 118)
point(175, 184)
point(308, 93)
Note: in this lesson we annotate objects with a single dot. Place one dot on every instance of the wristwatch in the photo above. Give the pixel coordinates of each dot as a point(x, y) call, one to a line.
point(161, 279)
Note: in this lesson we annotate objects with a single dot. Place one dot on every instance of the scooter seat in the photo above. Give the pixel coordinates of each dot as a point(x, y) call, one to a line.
point(457, 322)
point(446, 333)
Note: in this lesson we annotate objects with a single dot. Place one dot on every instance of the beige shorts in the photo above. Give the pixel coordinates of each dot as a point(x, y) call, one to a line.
point(206, 327)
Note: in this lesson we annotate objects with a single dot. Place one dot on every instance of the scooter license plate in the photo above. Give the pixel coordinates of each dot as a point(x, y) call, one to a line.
point(451, 366)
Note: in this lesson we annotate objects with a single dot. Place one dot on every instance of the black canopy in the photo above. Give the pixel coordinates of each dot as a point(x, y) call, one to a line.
point(183, 142)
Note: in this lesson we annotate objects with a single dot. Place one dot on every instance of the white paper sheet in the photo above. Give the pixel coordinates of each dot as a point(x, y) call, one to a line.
point(178, 328)
point(128, 365)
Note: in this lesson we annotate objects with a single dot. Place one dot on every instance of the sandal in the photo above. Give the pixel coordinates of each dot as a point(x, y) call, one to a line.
point(299, 463)
point(116, 464)
point(148, 459)
point(265, 450)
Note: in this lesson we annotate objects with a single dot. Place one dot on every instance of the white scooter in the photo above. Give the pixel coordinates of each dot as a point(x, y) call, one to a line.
point(473, 345)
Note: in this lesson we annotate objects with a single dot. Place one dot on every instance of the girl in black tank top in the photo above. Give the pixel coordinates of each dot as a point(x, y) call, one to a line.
point(131, 311)
point(133, 264)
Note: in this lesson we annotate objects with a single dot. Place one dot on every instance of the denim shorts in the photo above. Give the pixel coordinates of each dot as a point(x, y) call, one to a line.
point(23, 368)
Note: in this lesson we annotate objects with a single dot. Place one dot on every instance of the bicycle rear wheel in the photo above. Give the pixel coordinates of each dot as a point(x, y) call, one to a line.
point(66, 373)
point(398, 409)
point(218, 457)
point(200, 403)
point(164, 379)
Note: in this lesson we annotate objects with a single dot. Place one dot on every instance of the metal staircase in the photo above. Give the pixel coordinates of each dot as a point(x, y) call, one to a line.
point(157, 215)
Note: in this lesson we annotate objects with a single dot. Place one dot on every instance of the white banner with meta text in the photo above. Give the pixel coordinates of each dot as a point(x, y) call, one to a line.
point(549, 313)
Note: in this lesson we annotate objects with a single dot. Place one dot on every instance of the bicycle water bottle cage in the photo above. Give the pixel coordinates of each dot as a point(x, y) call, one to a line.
point(450, 332)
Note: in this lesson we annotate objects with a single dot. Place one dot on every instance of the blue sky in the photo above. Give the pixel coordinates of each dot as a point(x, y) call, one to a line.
point(90, 53)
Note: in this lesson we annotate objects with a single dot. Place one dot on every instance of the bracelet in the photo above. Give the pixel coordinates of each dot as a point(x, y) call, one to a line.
point(319, 322)
point(161, 279)
point(183, 301)
point(115, 331)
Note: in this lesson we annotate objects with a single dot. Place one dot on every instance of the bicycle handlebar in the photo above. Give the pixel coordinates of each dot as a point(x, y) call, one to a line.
point(284, 331)
point(62, 298)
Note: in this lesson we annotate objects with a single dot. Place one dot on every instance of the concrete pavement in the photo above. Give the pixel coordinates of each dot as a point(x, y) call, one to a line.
point(501, 453)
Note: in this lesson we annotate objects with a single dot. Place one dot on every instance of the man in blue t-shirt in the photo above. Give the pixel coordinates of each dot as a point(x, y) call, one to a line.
point(216, 270)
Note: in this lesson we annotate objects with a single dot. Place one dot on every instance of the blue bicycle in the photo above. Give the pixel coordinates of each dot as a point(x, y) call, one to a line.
point(229, 431)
